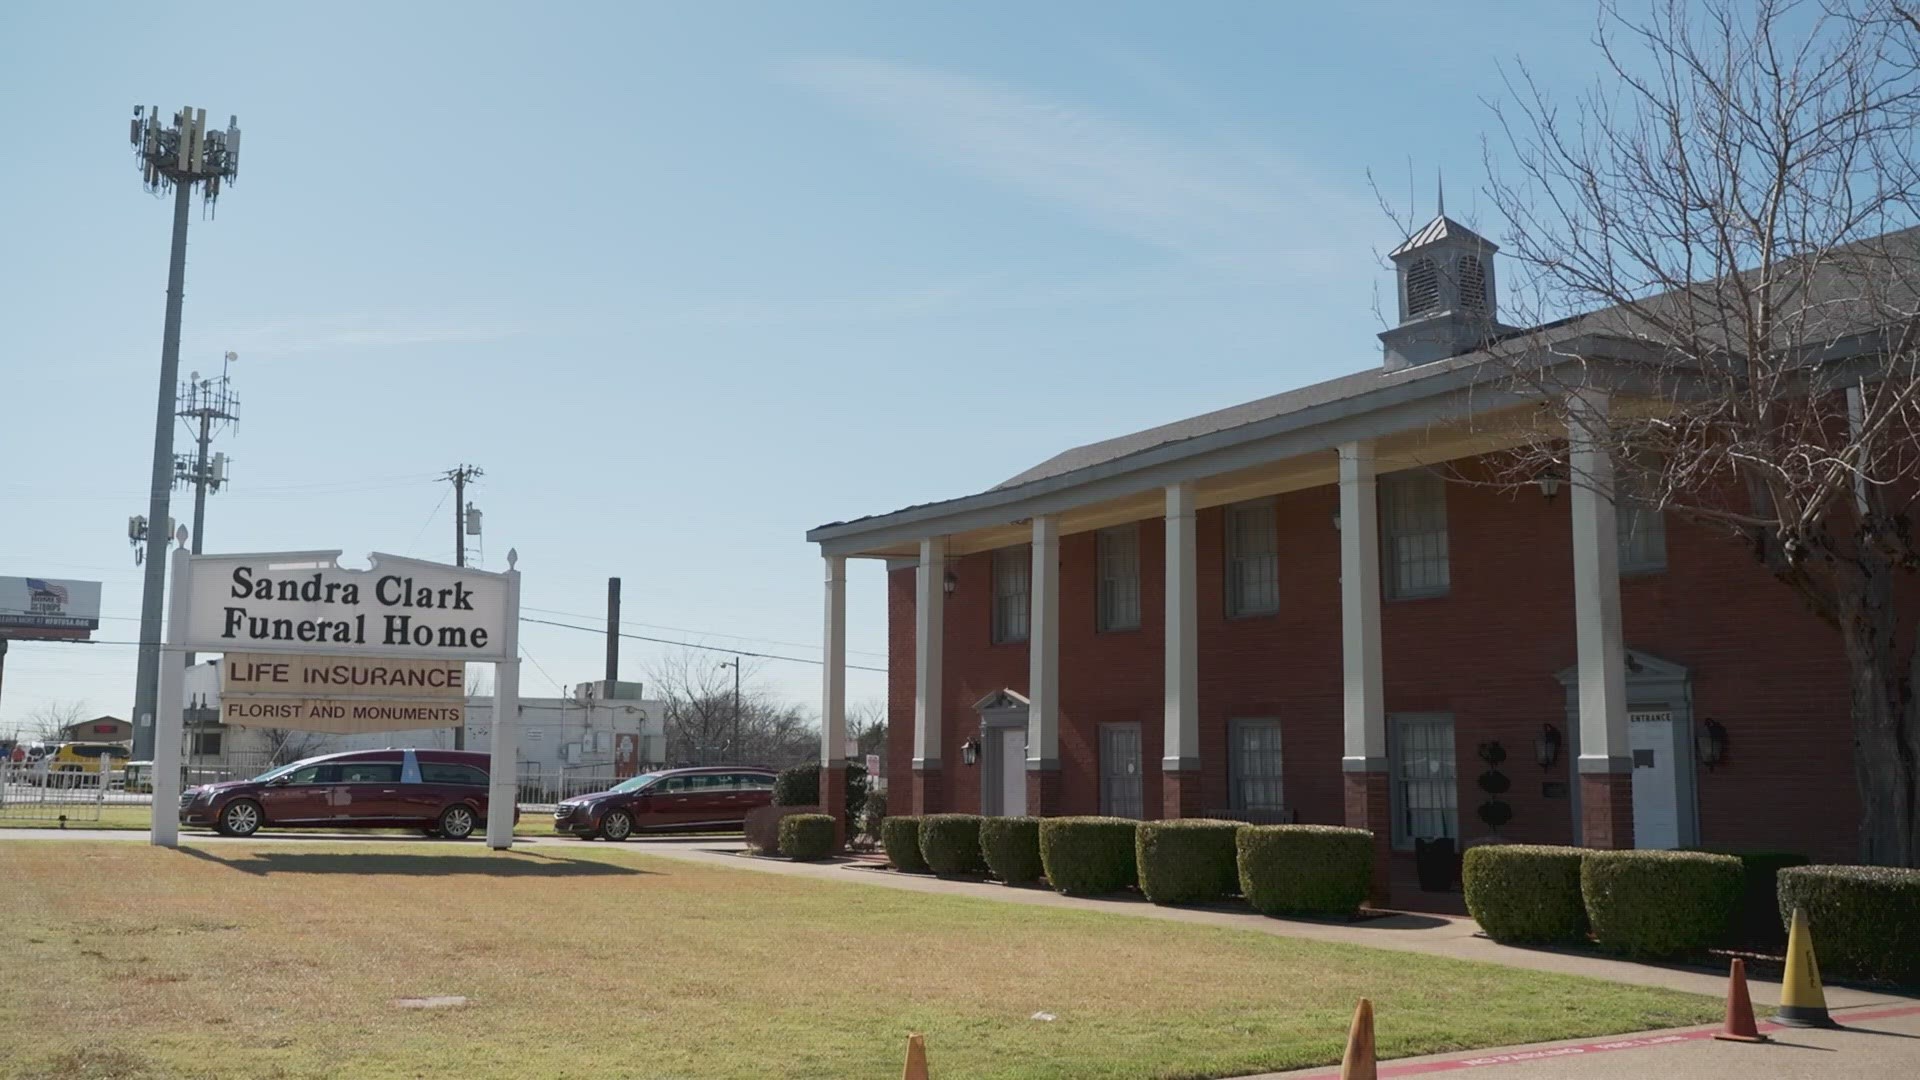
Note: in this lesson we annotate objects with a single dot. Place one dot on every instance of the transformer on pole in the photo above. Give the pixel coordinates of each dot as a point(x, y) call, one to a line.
point(172, 156)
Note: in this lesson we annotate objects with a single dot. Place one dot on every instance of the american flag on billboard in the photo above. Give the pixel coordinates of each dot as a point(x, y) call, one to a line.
point(58, 592)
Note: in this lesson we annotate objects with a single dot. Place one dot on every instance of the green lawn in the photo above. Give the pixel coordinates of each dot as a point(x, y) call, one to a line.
point(284, 961)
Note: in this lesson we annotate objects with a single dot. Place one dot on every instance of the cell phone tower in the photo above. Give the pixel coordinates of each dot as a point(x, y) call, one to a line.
point(173, 157)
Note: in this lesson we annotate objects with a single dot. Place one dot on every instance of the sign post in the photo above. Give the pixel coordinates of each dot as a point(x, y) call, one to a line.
point(367, 645)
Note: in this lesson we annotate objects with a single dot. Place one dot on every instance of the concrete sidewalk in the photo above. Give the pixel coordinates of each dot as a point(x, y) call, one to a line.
point(1434, 935)
point(1875, 1044)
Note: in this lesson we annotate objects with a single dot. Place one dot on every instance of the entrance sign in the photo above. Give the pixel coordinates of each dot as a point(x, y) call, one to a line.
point(313, 645)
point(304, 602)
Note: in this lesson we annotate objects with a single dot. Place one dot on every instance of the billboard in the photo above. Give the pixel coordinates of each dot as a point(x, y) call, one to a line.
point(67, 608)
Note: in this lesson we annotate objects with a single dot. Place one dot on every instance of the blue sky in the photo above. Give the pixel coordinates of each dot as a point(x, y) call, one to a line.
point(688, 280)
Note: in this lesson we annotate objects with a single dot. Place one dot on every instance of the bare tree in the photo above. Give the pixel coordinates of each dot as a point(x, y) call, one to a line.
point(867, 723)
point(49, 722)
point(1734, 204)
point(286, 745)
point(701, 721)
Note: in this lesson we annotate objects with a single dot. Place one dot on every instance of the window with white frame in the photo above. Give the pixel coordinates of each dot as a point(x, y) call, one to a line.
point(1118, 601)
point(1413, 534)
point(1253, 559)
point(1643, 536)
point(1012, 580)
point(1253, 763)
point(1425, 791)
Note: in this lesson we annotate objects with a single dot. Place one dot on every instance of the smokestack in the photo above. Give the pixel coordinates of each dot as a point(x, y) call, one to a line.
point(613, 629)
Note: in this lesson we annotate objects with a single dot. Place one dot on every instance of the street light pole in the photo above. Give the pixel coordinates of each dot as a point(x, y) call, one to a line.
point(171, 158)
point(735, 665)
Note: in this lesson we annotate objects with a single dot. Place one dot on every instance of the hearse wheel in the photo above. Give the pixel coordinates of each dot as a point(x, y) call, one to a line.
point(617, 826)
point(456, 822)
point(240, 818)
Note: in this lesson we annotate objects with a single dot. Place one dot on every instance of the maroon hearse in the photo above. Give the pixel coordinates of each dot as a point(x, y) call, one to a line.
point(716, 797)
point(440, 792)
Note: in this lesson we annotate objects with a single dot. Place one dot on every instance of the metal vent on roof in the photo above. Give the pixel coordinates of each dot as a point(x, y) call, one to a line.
point(1423, 288)
point(1473, 284)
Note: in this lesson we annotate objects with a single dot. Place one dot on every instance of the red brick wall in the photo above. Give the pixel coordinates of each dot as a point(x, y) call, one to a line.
point(1487, 653)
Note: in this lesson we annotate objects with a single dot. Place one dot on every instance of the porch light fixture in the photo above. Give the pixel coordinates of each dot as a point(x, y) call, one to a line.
point(1336, 519)
point(970, 751)
point(950, 582)
point(1546, 747)
point(1549, 481)
point(1710, 745)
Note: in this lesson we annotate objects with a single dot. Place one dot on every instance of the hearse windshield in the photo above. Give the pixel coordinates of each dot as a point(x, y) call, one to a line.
point(278, 769)
point(636, 783)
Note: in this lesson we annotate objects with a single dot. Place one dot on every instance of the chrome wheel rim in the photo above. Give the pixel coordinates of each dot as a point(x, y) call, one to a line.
point(458, 823)
point(242, 817)
point(618, 826)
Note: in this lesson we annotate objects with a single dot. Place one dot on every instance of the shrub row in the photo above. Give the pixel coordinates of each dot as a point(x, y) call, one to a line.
point(1314, 870)
point(1865, 919)
point(806, 837)
point(800, 786)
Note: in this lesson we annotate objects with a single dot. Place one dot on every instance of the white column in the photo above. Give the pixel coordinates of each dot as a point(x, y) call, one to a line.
point(164, 826)
point(833, 679)
point(929, 613)
point(1043, 648)
point(1596, 591)
point(503, 785)
point(1365, 744)
point(1181, 748)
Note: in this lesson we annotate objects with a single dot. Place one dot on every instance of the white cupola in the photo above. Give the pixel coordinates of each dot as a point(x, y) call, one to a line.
point(1448, 304)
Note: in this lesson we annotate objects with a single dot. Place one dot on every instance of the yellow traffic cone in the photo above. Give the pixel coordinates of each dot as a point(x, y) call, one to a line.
point(916, 1058)
point(1358, 1064)
point(1802, 1002)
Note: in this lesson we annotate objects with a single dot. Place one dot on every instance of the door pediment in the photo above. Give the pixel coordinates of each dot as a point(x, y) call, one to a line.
point(1002, 700)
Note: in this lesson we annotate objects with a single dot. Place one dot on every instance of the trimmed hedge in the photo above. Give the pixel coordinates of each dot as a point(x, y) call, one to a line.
point(950, 843)
point(1865, 920)
point(1660, 903)
point(1187, 859)
point(1757, 925)
point(806, 837)
point(1087, 856)
point(800, 786)
point(1318, 870)
point(901, 837)
point(1011, 846)
point(1526, 894)
point(872, 814)
point(763, 826)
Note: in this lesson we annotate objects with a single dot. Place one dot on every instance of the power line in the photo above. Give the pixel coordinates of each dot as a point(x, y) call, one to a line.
point(708, 648)
point(543, 671)
point(689, 630)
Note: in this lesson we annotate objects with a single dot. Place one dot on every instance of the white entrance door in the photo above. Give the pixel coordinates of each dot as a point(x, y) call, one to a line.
point(1009, 781)
point(1656, 779)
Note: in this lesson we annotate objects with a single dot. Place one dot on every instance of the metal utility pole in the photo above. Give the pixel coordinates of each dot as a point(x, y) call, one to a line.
point(465, 519)
point(172, 158)
point(613, 631)
point(735, 665)
point(208, 405)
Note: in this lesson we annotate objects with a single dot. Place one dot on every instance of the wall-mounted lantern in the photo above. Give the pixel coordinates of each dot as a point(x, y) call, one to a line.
point(1549, 481)
point(1710, 745)
point(1546, 746)
point(950, 582)
point(1336, 519)
point(970, 751)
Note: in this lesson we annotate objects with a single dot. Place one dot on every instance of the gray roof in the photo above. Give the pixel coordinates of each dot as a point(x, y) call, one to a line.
point(1441, 228)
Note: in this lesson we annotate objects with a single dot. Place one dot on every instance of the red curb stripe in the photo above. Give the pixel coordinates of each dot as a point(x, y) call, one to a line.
point(1602, 1046)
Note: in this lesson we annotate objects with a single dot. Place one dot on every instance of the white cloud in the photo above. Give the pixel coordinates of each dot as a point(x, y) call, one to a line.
point(1246, 208)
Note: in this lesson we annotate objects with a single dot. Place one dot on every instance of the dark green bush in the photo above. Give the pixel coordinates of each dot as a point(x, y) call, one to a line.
point(951, 844)
point(901, 837)
point(1011, 846)
point(872, 814)
point(800, 786)
point(1660, 903)
point(1087, 856)
point(806, 837)
point(1319, 870)
point(1526, 894)
point(1865, 920)
point(763, 826)
point(1186, 860)
point(1757, 925)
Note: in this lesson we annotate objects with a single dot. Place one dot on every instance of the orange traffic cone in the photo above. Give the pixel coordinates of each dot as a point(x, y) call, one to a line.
point(1358, 1063)
point(1739, 1026)
point(916, 1058)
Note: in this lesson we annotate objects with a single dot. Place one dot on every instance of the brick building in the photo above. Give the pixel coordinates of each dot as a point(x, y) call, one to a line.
point(1302, 608)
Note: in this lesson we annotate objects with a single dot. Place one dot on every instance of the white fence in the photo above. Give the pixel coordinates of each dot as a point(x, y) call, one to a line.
point(30, 792)
point(541, 789)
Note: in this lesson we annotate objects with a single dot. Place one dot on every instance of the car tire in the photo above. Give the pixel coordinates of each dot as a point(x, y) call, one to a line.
point(241, 817)
point(456, 822)
point(617, 826)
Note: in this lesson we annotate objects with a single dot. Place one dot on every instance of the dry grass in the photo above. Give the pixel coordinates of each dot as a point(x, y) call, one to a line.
point(284, 960)
point(125, 818)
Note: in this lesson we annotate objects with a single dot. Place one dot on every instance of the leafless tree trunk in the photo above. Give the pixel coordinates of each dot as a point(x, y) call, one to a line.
point(48, 723)
point(1734, 201)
